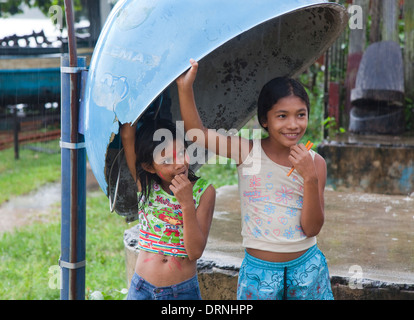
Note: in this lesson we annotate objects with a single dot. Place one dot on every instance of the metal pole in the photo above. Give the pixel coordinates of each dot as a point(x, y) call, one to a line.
point(73, 168)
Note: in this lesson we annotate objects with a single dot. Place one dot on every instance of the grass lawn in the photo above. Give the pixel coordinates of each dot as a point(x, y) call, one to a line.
point(32, 170)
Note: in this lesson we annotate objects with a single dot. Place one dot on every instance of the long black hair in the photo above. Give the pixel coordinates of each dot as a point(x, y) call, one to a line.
point(277, 89)
point(145, 145)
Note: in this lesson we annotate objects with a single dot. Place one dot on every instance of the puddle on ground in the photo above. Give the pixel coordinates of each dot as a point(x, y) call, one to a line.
point(25, 209)
point(369, 233)
point(35, 206)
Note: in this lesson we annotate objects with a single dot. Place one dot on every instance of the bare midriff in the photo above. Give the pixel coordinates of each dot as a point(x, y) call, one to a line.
point(274, 256)
point(163, 270)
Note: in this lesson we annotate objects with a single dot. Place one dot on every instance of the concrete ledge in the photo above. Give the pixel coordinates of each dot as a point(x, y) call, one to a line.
point(217, 282)
point(383, 169)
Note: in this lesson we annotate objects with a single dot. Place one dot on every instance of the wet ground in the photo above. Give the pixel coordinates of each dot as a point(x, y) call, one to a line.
point(35, 206)
point(366, 233)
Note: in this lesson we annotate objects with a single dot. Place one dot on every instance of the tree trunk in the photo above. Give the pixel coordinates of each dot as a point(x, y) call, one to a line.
point(376, 14)
point(390, 13)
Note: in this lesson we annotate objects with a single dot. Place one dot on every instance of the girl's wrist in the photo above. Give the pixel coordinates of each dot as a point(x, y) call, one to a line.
point(187, 205)
point(185, 88)
point(310, 179)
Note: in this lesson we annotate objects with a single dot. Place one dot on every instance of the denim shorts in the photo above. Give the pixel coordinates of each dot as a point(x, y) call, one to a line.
point(143, 290)
point(304, 278)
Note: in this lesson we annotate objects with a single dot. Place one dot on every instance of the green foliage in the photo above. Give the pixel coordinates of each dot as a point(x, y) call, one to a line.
point(313, 80)
point(221, 173)
point(331, 125)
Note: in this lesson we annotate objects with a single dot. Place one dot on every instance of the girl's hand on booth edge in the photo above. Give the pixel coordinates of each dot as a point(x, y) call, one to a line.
point(187, 79)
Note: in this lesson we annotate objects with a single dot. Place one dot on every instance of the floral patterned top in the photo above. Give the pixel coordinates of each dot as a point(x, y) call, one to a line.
point(271, 204)
point(161, 222)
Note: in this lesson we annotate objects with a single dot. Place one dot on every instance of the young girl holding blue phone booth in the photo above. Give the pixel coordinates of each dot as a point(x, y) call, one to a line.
point(175, 213)
point(281, 214)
